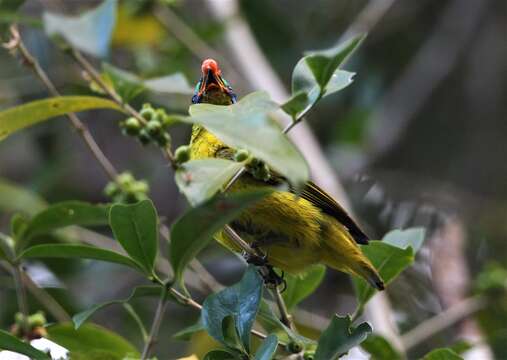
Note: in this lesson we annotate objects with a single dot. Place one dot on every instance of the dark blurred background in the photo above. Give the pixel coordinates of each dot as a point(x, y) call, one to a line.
point(417, 140)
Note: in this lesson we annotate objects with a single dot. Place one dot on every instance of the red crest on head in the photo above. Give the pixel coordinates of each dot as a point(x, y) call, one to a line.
point(210, 64)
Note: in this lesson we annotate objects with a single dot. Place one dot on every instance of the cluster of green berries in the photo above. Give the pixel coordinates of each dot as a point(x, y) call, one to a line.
point(256, 167)
point(35, 322)
point(126, 189)
point(153, 130)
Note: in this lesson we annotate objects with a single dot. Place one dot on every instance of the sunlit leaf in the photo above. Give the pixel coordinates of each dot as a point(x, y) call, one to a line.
point(300, 286)
point(240, 301)
point(195, 229)
point(247, 125)
point(140, 291)
point(199, 180)
point(136, 229)
point(11, 343)
point(339, 337)
point(413, 237)
point(75, 251)
point(28, 114)
point(442, 354)
point(267, 348)
point(90, 339)
point(90, 32)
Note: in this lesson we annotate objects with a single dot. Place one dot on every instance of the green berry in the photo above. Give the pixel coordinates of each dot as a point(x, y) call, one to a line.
point(163, 139)
point(241, 155)
point(161, 115)
point(182, 154)
point(148, 113)
point(261, 172)
point(37, 319)
point(144, 137)
point(132, 126)
point(111, 189)
point(153, 127)
point(125, 179)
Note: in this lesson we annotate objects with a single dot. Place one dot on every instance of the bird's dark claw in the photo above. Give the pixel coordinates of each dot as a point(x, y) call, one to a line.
point(257, 260)
point(272, 279)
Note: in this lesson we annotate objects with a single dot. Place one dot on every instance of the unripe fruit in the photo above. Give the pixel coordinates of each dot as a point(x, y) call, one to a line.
point(132, 126)
point(163, 139)
point(182, 154)
point(153, 127)
point(241, 155)
point(144, 137)
point(147, 112)
point(111, 189)
point(37, 319)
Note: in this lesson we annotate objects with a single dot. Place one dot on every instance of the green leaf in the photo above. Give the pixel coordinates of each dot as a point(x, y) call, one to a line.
point(379, 348)
point(14, 198)
point(91, 338)
point(297, 103)
point(90, 32)
point(136, 228)
point(442, 354)
point(126, 84)
point(11, 343)
point(300, 286)
point(6, 247)
point(199, 180)
point(140, 291)
point(240, 301)
point(75, 251)
point(171, 84)
point(195, 229)
point(186, 333)
point(220, 355)
point(28, 114)
point(247, 125)
point(65, 214)
point(339, 337)
point(267, 348)
point(413, 237)
point(389, 261)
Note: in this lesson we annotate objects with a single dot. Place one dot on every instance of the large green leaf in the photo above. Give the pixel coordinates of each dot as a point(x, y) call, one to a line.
point(65, 214)
point(75, 251)
point(14, 198)
point(339, 337)
point(140, 291)
point(195, 229)
point(199, 180)
point(390, 257)
point(90, 339)
point(267, 348)
point(11, 343)
point(90, 32)
point(136, 228)
point(302, 285)
point(379, 348)
point(247, 125)
point(240, 301)
point(442, 354)
point(19, 117)
point(318, 74)
point(126, 84)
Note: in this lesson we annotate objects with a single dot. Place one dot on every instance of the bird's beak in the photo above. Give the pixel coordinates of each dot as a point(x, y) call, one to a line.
point(210, 79)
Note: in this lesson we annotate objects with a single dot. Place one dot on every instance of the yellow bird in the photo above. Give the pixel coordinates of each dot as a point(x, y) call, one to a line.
point(295, 232)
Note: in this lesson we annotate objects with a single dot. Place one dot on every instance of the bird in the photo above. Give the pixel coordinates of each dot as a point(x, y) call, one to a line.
point(294, 231)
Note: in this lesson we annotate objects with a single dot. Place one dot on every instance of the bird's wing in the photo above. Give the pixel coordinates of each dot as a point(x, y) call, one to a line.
point(328, 205)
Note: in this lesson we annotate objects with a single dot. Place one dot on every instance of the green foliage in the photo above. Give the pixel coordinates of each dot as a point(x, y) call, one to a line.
point(267, 348)
point(195, 229)
point(140, 291)
point(390, 257)
point(11, 343)
point(199, 180)
point(247, 125)
point(75, 251)
point(136, 229)
point(186, 333)
point(89, 340)
point(20, 117)
point(90, 32)
point(442, 354)
point(239, 302)
point(125, 84)
point(14, 198)
point(126, 189)
point(220, 355)
point(300, 286)
point(379, 348)
point(339, 337)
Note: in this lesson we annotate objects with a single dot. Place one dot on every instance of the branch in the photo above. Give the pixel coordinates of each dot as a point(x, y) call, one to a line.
point(155, 327)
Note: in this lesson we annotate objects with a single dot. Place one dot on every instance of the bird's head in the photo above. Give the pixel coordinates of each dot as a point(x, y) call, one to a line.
point(212, 88)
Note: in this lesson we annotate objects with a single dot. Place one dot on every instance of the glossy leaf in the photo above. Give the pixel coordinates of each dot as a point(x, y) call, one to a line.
point(126, 84)
point(140, 291)
point(220, 355)
point(413, 237)
point(240, 301)
point(442, 354)
point(90, 339)
point(199, 180)
point(11, 343)
point(296, 104)
point(28, 114)
point(247, 125)
point(65, 214)
point(379, 348)
point(136, 229)
point(195, 229)
point(302, 285)
point(339, 337)
point(75, 251)
point(267, 348)
point(90, 32)
point(14, 198)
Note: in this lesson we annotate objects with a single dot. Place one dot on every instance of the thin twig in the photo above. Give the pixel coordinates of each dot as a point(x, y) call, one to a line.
point(155, 326)
point(21, 295)
point(286, 317)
